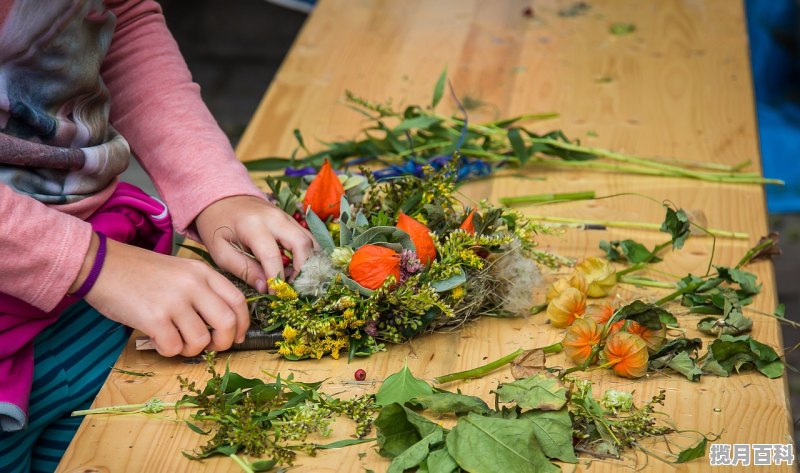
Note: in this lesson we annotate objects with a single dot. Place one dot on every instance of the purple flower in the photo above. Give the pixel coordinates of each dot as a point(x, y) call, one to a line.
point(409, 264)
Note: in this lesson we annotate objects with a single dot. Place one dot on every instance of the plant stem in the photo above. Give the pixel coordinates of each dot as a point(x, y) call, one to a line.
point(752, 252)
point(480, 370)
point(121, 409)
point(242, 464)
point(538, 198)
point(634, 225)
point(636, 281)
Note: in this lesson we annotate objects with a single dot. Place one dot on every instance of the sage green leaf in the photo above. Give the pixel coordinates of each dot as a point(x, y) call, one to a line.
point(401, 387)
point(383, 234)
point(449, 283)
point(451, 403)
point(399, 428)
point(440, 461)
point(356, 286)
point(489, 445)
point(415, 454)
point(691, 453)
point(438, 89)
point(542, 391)
point(553, 430)
point(320, 231)
point(422, 121)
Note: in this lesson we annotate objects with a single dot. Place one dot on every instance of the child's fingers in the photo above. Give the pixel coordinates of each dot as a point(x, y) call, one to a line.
point(194, 332)
point(296, 239)
point(167, 340)
point(266, 251)
point(235, 309)
point(243, 266)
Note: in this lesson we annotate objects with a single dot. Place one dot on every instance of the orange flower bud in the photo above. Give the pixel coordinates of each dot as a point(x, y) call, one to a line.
point(627, 354)
point(564, 309)
point(581, 337)
point(600, 313)
point(420, 235)
point(467, 224)
point(324, 194)
point(372, 264)
point(653, 338)
point(575, 280)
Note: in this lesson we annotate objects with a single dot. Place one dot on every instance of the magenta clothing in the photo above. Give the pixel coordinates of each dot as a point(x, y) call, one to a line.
point(135, 99)
point(129, 216)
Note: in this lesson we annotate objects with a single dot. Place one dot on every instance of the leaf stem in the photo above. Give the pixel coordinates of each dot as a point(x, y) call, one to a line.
point(124, 409)
point(633, 225)
point(538, 198)
point(242, 464)
point(480, 370)
point(637, 281)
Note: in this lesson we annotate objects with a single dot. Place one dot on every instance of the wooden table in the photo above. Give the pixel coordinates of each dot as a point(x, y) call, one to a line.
point(678, 86)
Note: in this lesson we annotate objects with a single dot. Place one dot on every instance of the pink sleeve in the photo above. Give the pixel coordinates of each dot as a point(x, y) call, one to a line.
point(158, 109)
point(43, 249)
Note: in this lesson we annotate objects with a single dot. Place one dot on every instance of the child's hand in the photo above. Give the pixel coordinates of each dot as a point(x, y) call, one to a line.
point(257, 227)
point(183, 305)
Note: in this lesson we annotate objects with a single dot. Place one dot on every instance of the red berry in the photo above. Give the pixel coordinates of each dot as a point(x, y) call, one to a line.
point(297, 216)
point(360, 375)
point(286, 260)
point(303, 224)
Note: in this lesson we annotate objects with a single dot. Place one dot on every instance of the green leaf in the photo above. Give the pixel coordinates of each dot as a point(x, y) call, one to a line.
point(648, 315)
point(438, 89)
point(632, 251)
point(399, 428)
point(263, 465)
point(401, 387)
point(553, 430)
point(383, 234)
point(518, 145)
point(691, 453)
point(780, 311)
point(746, 280)
point(680, 362)
point(676, 223)
point(341, 443)
point(415, 454)
point(728, 353)
point(299, 137)
point(488, 445)
point(451, 403)
point(449, 283)
point(622, 28)
point(320, 231)
point(272, 164)
point(194, 428)
point(440, 461)
point(422, 121)
point(542, 392)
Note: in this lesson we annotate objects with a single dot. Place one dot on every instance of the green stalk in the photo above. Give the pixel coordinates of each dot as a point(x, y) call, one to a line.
point(537, 198)
point(242, 464)
point(752, 252)
point(634, 225)
point(637, 281)
point(483, 370)
point(126, 409)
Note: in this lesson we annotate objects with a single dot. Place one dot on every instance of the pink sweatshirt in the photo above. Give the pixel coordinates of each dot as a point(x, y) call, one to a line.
point(158, 110)
point(84, 85)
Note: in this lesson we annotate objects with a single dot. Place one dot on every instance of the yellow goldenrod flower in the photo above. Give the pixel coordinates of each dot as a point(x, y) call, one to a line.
point(289, 333)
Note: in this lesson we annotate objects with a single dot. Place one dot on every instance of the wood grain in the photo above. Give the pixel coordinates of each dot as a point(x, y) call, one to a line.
point(679, 86)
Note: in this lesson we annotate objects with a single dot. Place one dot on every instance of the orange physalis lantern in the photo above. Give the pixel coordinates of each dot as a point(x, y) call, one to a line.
point(420, 235)
point(600, 313)
point(564, 309)
point(653, 338)
point(581, 337)
point(372, 264)
point(626, 353)
point(324, 194)
point(467, 224)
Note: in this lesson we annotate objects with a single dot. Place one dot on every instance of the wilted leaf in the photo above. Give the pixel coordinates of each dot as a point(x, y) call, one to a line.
point(543, 391)
point(553, 430)
point(451, 403)
point(529, 363)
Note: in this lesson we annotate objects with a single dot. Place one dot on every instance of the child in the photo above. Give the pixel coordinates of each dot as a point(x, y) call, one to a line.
point(85, 85)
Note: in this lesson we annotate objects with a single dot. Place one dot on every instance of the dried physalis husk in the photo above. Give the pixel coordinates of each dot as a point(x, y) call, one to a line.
point(575, 280)
point(699, 219)
point(529, 363)
point(626, 353)
point(600, 275)
point(564, 309)
point(581, 337)
point(600, 313)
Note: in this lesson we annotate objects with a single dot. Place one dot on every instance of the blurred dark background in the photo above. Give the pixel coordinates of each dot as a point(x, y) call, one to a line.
point(235, 47)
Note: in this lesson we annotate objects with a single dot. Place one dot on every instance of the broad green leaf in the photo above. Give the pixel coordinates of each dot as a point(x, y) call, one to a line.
point(648, 315)
point(489, 445)
point(401, 387)
point(320, 231)
point(451, 403)
point(553, 430)
point(691, 453)
point(399, 428)
point(449, 283)
point(384, 234)
point(542, 391)
point(194, 428)
point(676, 223)
point(440, 461)
point(729, 353)
point(438, 89)
point(632, 251)
point(415, 454)
point(271, 164)
point(747, 281)
point(680, 362)
point(263, 465)
point(422, 121)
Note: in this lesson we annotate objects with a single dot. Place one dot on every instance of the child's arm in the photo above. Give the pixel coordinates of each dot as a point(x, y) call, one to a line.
point(158, 109)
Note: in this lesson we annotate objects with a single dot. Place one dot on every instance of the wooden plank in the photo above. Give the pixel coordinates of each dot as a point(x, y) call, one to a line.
point(679, 86)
